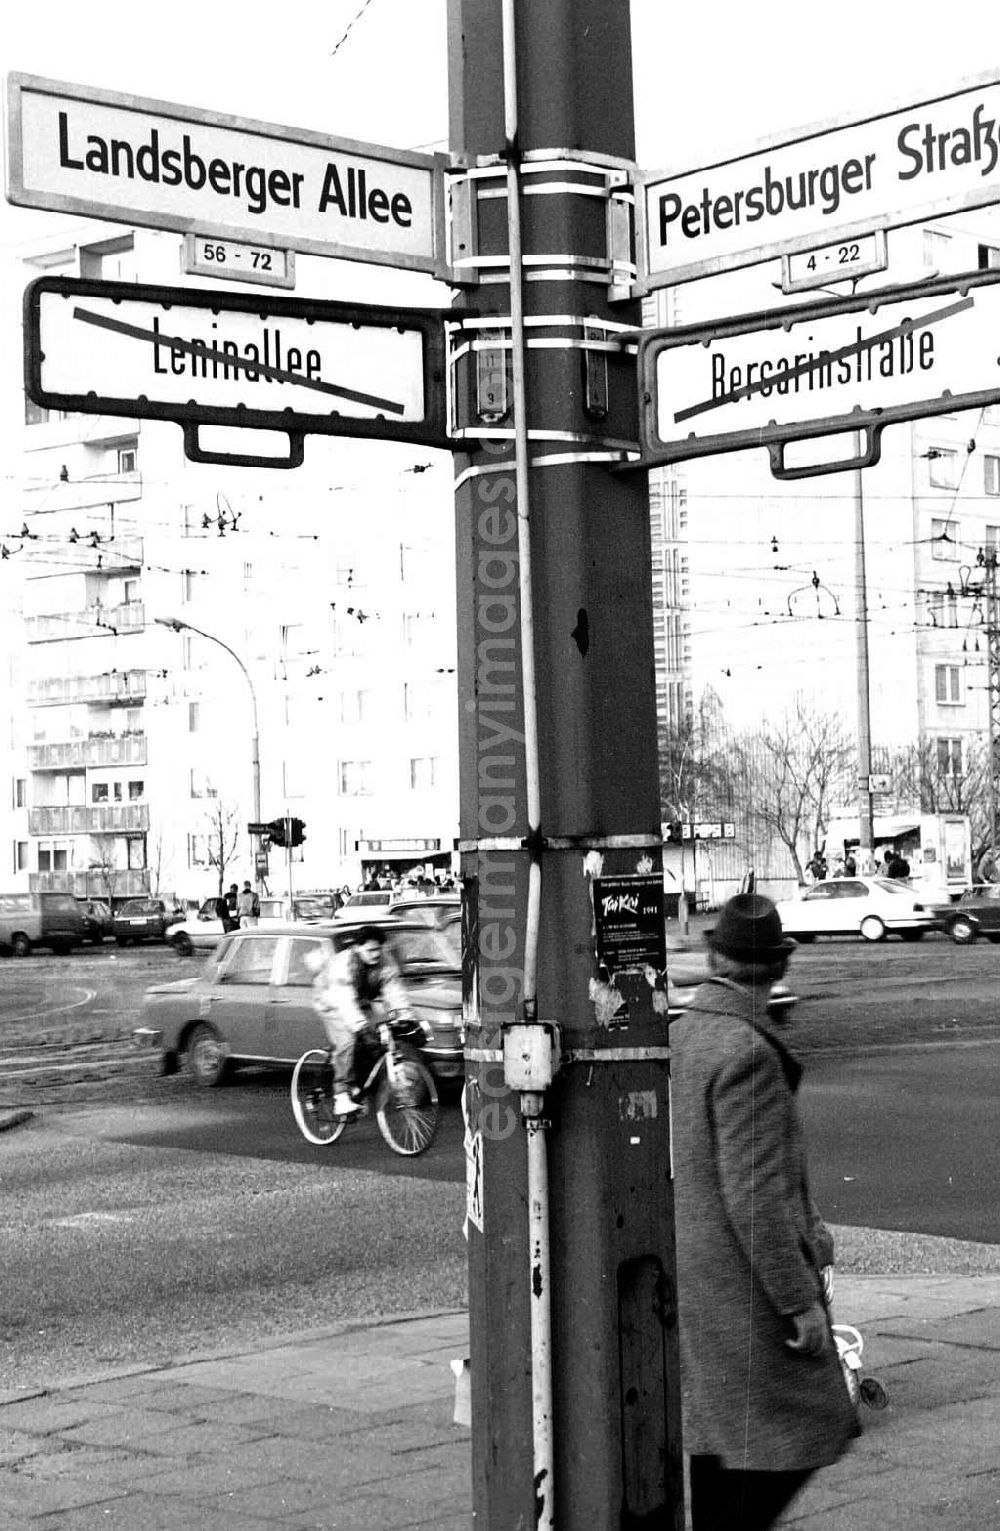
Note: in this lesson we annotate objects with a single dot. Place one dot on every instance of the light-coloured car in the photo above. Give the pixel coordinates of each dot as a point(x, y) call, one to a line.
point(373, 900)
point(871, 907)
point(252, 1001)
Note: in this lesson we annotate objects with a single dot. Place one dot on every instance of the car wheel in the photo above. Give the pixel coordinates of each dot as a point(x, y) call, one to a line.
point(962, 931)
point(182, 943)
point(805, 938)
point(21, 944)
point(121, 940)
point(872, 928)
point(206, 1057)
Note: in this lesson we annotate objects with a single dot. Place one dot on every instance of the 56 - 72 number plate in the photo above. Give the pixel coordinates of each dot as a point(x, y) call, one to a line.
point(235, 262)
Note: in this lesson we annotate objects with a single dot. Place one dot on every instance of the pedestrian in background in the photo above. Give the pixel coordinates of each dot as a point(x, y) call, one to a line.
point(765, 1399)
point(231, 919)
point(248, 907)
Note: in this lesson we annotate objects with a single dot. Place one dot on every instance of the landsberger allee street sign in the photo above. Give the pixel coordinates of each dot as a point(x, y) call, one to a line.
point(826, 185)
point(78, 149)
point(294, 365)
point(818, 369)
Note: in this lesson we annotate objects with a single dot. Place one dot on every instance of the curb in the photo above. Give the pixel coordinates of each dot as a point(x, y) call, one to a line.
point(15, 1119)
point(227, 1352)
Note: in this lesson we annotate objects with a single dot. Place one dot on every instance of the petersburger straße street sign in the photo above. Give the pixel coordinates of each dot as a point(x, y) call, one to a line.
point(825, 184)
point(815, 369)
point(74, 148)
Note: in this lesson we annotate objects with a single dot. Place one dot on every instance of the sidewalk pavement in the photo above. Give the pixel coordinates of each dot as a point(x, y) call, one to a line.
point(351, 1429)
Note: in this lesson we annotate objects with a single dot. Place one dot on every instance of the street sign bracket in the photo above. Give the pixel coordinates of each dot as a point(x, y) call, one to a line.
point(545, 172)
point(195, 452)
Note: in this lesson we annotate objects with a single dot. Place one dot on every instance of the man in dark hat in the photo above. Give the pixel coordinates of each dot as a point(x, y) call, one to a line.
point(765, 1399)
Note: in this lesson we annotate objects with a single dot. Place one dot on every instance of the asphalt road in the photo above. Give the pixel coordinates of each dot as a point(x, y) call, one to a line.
point(143, 1219)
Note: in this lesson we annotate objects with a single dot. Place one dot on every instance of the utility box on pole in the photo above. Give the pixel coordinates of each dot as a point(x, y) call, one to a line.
point(590, 1058)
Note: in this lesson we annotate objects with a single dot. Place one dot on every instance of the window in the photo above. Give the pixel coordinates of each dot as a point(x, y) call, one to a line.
point(943, 468)
point(136, 791)
point(949, 757)
point(422, 772)
point(942, 607)
point(300, 974)
point(989, 257)
point(355, 778)
point(937, 249)
point(34, 414)
point(947, 683)
point(20, 792)
point(127, 459)
point(53, 858)
point(116, 791)
point(991, 474)
point(202, 850)
point(945, 537)
point(355, 706)
point(418, 702)
point(99, 792)
point(201, 786)
point(194, 717)
point(136, 853)
point(251, 961)
point(20, 855)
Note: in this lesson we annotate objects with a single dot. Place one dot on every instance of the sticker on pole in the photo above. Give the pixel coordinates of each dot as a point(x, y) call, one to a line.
point(628, 915)
point(230, 358)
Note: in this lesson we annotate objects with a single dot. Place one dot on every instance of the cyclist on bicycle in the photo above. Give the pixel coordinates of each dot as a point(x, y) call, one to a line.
point(354, 990)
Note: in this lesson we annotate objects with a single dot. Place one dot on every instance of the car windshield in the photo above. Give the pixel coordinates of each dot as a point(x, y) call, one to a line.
point(887, 886)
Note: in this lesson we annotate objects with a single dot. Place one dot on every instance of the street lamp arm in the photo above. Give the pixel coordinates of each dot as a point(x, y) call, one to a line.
point(178, 625)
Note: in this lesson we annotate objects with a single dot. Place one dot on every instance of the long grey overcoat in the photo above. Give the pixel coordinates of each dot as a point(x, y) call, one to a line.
point(750, 1245)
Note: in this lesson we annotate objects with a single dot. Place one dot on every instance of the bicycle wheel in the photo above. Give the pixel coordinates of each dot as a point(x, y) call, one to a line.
point(312, 1098)
point(407, 1109)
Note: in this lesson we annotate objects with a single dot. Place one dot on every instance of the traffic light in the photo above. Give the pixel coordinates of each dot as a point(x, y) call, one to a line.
point(298, 830)
point(276, 831)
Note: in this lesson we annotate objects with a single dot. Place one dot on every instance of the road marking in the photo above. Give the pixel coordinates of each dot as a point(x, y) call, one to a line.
point(88, 1219)
point(31, 1015)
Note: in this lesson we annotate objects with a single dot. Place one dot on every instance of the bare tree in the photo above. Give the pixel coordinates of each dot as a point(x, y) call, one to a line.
point(103, 861)
point(695, 781)
point(223, 837)
point(788, 775)
point(946, 779)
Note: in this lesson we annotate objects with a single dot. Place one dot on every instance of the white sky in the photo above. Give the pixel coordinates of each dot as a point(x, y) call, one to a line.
point(710, 79)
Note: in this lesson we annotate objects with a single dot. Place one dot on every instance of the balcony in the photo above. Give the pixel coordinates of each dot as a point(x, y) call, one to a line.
point(98, 750)
point(90, 819)
point(114, 686)
point(129, 617)
point(91, 883)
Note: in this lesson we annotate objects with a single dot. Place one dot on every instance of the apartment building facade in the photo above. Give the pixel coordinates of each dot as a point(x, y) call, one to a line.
point(162, 617)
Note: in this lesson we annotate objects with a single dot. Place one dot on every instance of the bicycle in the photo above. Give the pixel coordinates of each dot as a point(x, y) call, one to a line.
point(405, 1094)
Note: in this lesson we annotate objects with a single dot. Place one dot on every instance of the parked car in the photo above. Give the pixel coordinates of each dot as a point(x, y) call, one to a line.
point(872, 907)
point(977, 913)
point(143, 919)
point(198, 932)
point(438, 909)
point(374, 900)
point(98, 921)
point(35, 919)
point(252, 1002)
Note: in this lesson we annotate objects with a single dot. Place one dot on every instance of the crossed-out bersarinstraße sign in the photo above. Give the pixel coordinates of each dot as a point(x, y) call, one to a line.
point(824, 185)
point(79, 149)
point(815, 369)
point(211, 358)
